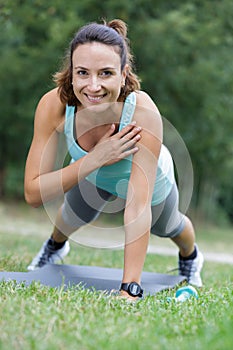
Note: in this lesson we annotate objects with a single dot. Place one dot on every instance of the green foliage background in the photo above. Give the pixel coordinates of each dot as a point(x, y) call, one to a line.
point(183, 54)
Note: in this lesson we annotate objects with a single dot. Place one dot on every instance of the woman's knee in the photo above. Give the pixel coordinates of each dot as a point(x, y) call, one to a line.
point(168, 229)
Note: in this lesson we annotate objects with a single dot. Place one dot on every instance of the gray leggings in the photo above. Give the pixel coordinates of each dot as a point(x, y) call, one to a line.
point(84, 203)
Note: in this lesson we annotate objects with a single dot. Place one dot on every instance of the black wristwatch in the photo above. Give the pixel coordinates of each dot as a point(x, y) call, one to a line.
point(133, 288)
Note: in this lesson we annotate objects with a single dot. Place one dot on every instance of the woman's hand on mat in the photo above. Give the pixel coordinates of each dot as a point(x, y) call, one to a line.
point(113, 147)
point(124, 296)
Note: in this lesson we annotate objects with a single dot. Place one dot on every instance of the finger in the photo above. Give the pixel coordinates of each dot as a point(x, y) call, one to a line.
point(129, 152)
point(126, 130)
point(127, 136)
point(130, 139)
point(109, 132)
point(130, 135)
point(130, 143)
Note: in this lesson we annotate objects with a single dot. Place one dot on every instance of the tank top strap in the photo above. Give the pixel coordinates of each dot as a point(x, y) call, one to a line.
point(128, 110)
point(69, 120)
point(69, 130)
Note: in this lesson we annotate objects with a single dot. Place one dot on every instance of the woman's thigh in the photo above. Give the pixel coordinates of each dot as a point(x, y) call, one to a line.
point(167, 220)
point(83, 203)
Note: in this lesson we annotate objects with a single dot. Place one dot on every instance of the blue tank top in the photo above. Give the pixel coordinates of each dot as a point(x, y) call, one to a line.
point(114, 178)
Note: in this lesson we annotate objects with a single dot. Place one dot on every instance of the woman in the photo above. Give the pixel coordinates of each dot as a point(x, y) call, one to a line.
point(114, 135)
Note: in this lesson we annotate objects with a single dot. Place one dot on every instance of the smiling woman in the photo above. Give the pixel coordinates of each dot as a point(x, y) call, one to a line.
point(114, 136)
point(114, 36)
point(97, 75)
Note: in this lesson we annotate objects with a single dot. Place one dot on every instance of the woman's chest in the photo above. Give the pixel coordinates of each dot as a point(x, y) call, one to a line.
point(87, 138)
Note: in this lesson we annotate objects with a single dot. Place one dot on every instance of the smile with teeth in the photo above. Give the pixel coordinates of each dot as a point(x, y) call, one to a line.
point(95, 98)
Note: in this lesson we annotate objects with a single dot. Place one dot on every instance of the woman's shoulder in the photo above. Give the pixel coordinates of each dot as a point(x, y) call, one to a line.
point(51, 109)
point(148, 117)
point(144, 100)
point(51, 99)
point(145, 106)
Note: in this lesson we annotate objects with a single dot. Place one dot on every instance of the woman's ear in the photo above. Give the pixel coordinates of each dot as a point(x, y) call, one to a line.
point(125, 73)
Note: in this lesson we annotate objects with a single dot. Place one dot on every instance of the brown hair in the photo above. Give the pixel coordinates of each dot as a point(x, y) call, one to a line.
point(113, 33)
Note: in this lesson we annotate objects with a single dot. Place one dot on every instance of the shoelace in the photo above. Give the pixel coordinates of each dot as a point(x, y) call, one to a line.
point(172, 270)
point(48, 252)
point(186, 267)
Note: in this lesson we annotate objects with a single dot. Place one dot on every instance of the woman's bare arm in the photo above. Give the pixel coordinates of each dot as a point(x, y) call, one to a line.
point(137, 216)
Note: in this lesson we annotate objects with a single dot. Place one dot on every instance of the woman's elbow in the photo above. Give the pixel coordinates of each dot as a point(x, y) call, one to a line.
point(134, 212)
point(31, 199)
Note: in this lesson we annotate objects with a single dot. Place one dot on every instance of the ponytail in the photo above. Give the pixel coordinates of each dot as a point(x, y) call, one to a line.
point(119, 26)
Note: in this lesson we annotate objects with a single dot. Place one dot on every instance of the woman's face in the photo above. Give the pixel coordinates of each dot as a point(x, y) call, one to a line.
point(97, 76)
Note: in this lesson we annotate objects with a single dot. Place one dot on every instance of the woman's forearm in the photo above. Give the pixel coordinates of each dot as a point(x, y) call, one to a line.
point(49, 186)
point(137, 233)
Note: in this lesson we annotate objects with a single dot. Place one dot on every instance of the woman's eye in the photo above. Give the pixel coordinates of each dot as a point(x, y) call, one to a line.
point(82, 72)
point(106, 73)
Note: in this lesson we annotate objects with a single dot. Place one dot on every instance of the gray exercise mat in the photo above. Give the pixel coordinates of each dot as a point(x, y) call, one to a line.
point(99, 278)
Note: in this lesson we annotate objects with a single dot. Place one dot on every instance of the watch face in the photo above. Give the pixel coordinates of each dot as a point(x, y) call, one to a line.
point(134, 289)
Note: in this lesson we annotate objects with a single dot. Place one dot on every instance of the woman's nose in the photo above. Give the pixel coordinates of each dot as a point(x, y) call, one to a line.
point(94, 84)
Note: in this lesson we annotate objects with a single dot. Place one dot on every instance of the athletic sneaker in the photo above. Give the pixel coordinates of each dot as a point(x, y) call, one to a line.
point(48, 254)
point(192, 269)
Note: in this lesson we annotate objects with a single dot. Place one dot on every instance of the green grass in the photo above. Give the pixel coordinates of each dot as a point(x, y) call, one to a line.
point(215, 238)
point(39, 317)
